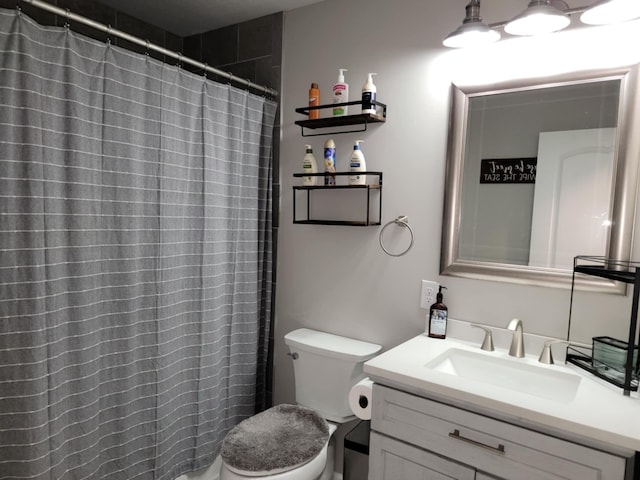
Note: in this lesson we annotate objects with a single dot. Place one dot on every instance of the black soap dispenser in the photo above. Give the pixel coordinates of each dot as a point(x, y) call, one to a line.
point(438, 315)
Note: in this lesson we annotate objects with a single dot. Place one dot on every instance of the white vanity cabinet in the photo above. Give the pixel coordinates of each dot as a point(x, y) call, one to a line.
point(417, 438)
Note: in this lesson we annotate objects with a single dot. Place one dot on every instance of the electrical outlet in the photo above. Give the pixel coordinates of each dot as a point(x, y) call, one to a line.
point(428, 293)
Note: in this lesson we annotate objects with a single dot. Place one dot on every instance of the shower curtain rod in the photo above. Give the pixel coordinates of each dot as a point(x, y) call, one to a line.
point(145, 43)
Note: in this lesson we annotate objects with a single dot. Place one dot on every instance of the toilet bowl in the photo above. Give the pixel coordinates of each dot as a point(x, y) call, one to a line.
point(292, 442)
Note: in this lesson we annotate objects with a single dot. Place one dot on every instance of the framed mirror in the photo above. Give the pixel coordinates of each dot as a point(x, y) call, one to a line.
point(538, 172)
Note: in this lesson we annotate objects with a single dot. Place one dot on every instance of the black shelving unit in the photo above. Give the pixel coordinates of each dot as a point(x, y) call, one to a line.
point(621, 271)
point(361, 119)
point(368, 189)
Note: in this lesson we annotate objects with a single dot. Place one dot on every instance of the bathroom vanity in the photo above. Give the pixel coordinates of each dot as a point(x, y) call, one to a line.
point(446, 409)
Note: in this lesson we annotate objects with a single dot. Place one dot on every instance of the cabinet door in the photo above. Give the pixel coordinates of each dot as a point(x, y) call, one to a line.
point(393, 460)
point(489, 445)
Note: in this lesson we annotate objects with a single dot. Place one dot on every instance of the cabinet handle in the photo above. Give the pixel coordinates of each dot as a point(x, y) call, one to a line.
point(456, 434)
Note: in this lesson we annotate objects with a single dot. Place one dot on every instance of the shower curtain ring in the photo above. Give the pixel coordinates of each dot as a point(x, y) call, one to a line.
point(108, 35)
point(204, 69)
point(147, 47)
point(67, 22)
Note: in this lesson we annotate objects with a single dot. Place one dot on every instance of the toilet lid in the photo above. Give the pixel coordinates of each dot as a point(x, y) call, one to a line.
point(280, 438)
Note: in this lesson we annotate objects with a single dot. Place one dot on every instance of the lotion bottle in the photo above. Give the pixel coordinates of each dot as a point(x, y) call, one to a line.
point(357, 164)
point(309, 165)
point(314, 101)
point(340, 94)
point(438, 316)
point(369, 95)
point(329, 162)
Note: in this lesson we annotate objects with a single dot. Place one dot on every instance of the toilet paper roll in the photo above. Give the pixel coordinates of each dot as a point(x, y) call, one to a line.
point(360, 399)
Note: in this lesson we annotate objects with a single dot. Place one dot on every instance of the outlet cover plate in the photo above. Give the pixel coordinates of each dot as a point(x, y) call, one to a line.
point(428, 293)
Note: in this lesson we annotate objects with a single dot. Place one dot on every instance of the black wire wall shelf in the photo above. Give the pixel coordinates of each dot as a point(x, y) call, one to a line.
point(367, 219)
point(626, 271)
point(361, 119)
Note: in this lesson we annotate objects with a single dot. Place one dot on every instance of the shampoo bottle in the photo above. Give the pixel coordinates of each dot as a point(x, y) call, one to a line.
point(438, 315)
point(309, 165)
point(340, 94)
point(357, 164)
point(329, 162)
point(369, 95)
point(314, 101)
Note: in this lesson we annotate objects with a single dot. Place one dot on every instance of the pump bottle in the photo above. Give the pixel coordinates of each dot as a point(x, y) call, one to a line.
point(438, 316)
point(369, 96)
point(357, 164)
point(309, 165)
point(340, 94)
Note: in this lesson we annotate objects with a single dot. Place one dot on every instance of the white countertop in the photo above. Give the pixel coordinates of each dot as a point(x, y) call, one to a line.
point(599, 412)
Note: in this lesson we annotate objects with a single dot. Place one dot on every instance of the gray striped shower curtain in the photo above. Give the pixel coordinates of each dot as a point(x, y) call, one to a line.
point(135, 259)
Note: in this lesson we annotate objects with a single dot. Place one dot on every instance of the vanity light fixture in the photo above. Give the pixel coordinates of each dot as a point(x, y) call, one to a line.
point(540, 17)
point(473, 30)
point(611, 11)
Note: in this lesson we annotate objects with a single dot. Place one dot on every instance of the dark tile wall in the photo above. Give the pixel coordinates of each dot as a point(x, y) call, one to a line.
point(251, 50)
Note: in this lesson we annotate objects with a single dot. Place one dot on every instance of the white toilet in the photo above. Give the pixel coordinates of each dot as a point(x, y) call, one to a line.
point(291, 442)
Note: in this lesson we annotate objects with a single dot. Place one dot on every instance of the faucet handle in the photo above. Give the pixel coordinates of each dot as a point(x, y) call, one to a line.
point(487, 343)
point(546, 356)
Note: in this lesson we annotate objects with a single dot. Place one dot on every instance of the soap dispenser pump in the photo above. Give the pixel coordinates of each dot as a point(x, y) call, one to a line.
point(438, 316)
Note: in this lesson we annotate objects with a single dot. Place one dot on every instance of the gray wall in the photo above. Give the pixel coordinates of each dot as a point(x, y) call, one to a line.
point(337, 279)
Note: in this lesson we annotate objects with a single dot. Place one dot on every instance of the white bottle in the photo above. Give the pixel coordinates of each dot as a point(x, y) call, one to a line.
point(340, 94)
point(309, 165)
point(357, 164)
point(369, 95)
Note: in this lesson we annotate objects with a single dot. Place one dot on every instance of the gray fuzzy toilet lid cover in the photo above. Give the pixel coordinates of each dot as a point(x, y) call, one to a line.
point(281, 437)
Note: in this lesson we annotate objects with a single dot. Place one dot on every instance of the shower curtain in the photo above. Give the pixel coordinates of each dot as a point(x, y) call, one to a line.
point(135, 259)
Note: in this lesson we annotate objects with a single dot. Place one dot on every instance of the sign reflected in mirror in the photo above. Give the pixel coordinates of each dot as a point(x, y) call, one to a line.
point(539, 172)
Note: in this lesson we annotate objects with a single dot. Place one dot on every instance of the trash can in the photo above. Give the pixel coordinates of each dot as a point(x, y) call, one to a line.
point(356, 452)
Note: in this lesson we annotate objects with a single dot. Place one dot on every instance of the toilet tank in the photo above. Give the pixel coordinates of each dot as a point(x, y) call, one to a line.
point(326, 366)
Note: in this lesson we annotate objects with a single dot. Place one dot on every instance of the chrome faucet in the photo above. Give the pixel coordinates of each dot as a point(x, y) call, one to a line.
point(517, 342)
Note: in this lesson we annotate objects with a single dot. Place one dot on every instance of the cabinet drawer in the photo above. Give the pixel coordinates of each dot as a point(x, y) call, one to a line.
point(390, 459)
point(490, 445)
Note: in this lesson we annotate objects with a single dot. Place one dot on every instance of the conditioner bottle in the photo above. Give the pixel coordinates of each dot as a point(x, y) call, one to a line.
point(309, 165)
point(369, 95)
point(357, 164)
point(438, 316)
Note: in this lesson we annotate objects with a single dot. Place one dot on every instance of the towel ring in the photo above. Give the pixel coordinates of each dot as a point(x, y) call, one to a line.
point(401, 221)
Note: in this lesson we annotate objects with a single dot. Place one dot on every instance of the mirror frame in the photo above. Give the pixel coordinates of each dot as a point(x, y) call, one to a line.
point(626, 162)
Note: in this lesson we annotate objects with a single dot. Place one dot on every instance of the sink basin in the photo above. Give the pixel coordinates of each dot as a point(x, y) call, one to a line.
point(514, 375)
